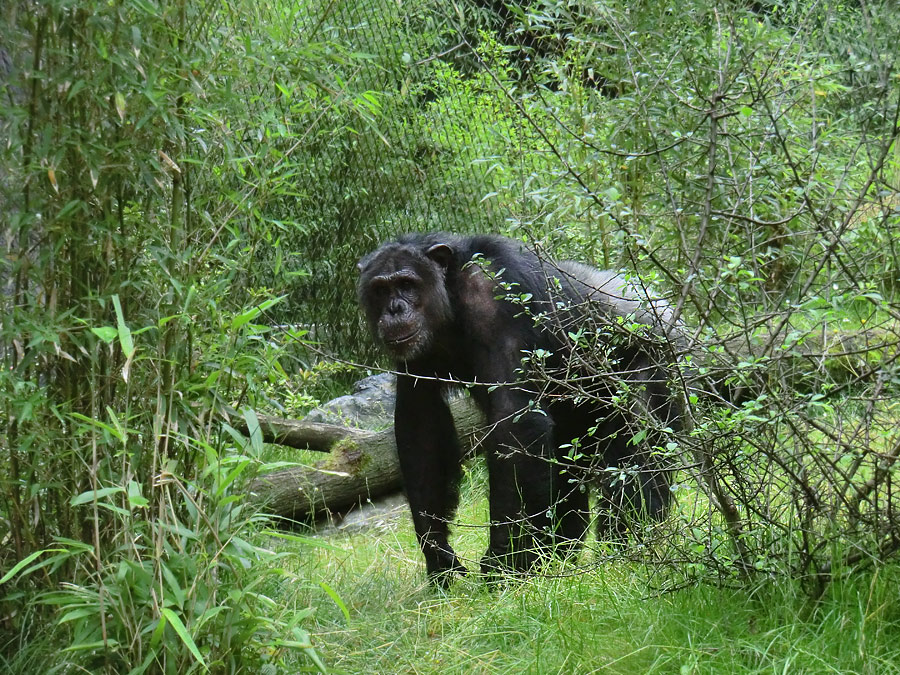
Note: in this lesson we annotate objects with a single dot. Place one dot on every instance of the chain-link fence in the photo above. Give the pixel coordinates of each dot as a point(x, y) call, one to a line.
point(738, 162)
point(203, 173)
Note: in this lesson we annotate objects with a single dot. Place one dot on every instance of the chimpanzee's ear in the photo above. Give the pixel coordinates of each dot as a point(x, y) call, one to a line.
point(442, 254)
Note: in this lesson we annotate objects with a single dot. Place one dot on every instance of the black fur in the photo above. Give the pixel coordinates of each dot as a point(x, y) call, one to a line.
point(469, 310)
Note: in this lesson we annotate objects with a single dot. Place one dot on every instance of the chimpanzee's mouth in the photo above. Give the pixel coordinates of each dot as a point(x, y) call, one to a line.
point(397, 342)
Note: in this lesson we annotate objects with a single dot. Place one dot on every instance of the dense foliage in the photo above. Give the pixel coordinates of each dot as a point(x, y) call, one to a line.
point(185, 188)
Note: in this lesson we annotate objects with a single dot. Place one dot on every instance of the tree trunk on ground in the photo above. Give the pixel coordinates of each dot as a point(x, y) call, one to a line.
point(361, 465)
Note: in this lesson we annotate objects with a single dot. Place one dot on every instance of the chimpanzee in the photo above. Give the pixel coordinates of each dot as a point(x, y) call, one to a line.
point(570, 367)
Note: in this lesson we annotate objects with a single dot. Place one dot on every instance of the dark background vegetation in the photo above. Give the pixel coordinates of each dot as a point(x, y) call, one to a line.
point(185, 188)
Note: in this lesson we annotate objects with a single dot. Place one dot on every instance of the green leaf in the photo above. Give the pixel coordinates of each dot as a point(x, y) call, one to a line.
point(86, 497)
point(254, 312)
point(97, 423)
point(158, 632)
point(120, 430)
point(175, 622)
point(112, 507)
point(209, 614)
point(24, 562)
point(612, 194)
point(244, 318)
point(74, 545)
point(231, 477)
point(300, 539)
point(105, 333)
point(120, 105)
point(638, 437)
point(139, 670)
point(135, 499)
point(337, 600)
point(79, 613)
point(145, 6)
point(173, 585)
point(253, 426)
point(125, 338)
point(91, 646)
point(124, 333)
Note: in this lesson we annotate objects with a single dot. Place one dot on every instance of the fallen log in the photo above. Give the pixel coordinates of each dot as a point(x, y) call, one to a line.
point(361, 464)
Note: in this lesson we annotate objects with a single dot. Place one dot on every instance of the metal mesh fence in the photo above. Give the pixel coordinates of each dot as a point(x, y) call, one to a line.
point(425, 130)
point(744, 164)
point(710, 170)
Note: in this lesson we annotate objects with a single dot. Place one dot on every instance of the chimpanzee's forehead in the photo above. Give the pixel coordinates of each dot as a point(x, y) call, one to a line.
point(392, 258)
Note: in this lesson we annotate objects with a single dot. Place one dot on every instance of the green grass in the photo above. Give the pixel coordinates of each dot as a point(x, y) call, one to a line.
point(605, 620)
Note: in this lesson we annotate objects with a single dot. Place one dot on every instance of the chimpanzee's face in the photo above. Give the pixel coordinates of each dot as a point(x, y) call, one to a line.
point(403, 295)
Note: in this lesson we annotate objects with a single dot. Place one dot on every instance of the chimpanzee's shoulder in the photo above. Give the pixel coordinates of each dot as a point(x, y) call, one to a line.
point(511, 254)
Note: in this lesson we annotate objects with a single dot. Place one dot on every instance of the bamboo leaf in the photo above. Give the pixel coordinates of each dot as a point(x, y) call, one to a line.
point(25, 561)
point(125, 338)
point(253, 426)
point(337, 600)
point(105, 333)
point(120, 105)
point(86, 497)
point(182, 632)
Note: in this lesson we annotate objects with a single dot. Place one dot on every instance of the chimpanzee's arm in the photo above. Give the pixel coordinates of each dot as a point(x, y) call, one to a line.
point(430, 461)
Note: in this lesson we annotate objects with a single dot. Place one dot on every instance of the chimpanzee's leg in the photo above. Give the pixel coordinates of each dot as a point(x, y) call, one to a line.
point(430, 461)
point(520, 467)
point(571, 512)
